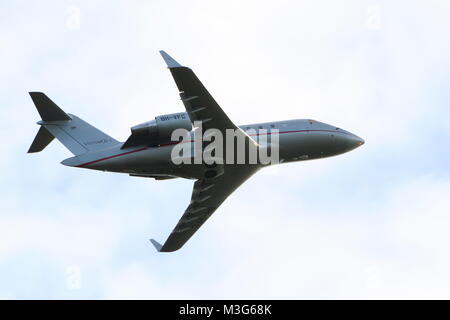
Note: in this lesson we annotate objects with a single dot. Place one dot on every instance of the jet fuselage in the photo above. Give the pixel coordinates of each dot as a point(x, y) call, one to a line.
point(299, 140)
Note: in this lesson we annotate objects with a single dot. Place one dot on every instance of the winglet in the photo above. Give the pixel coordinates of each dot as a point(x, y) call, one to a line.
point(171, 62)
point(156, 244)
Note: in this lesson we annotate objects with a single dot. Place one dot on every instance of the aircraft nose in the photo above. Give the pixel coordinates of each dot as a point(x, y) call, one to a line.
point(353, 141)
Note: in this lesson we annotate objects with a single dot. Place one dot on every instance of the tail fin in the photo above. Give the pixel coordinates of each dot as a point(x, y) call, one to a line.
point(75, 134)
point(48, 110)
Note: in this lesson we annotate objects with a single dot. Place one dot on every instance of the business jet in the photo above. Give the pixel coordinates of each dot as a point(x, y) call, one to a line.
point(151, 151)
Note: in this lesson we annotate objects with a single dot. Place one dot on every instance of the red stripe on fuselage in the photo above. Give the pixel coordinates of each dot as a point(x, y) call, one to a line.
point(295, 131)
point(110, 157)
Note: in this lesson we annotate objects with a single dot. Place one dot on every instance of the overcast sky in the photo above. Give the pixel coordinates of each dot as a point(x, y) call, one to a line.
point(372, 223)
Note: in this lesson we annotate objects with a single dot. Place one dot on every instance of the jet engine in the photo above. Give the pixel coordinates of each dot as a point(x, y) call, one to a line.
point(159, 131)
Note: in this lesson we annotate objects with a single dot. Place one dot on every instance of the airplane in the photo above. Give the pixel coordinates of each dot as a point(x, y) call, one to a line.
point(148, 152)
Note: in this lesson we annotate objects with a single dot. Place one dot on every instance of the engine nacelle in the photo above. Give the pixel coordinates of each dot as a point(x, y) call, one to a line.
point(158, 131)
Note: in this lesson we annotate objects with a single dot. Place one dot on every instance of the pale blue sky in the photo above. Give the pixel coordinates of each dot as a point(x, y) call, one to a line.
point(372, 223)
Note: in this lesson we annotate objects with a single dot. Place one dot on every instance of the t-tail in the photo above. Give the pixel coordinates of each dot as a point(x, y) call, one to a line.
point(75, 134)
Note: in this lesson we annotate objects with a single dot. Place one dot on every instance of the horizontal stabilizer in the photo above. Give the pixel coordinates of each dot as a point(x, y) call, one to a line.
point(75, 134)
point(48, 110)
point(156, 244)
point(42, 139)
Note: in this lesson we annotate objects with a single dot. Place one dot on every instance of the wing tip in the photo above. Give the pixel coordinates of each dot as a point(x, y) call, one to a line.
point(34, 93)
point(156, 244)
point(171, 62)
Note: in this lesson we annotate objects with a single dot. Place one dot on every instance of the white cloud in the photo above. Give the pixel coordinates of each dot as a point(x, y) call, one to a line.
point(369, 224)
point(397, 251)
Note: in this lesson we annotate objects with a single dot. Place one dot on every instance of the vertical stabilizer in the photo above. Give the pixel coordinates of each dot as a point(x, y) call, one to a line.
point(48, 110)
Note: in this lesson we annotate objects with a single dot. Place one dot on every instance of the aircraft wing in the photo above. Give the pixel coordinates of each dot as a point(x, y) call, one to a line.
point(208, 193)
point(199, 103)
point(207, 196)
